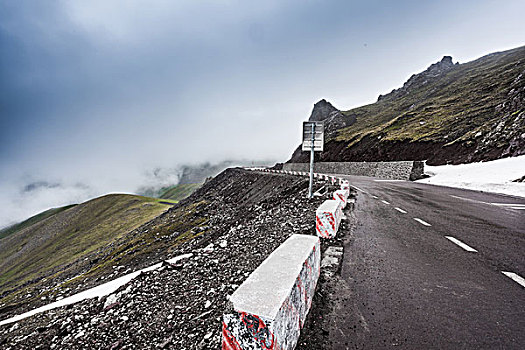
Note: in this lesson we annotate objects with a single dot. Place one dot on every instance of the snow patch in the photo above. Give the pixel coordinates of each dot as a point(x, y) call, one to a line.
point(494, 176)
point(98, 291)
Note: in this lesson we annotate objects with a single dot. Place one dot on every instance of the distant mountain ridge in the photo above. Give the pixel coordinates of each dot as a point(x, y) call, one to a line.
point(449, 113)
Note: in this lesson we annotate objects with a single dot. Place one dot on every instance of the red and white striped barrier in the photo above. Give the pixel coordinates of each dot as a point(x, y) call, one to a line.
point(342, 195)
point(327, 218)
point(270, 307)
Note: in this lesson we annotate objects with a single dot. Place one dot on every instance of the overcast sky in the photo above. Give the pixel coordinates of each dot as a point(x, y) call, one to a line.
point(97, 93)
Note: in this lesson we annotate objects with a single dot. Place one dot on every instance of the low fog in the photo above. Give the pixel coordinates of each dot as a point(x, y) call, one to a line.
point(97, 95)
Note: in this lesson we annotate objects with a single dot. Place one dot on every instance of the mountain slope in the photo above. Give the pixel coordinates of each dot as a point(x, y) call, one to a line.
point(32, 220)
point(47, 246)
point(179, 192)
point(450, 113)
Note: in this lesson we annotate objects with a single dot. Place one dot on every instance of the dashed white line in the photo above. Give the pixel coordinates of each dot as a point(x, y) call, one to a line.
point(400, 210)
point(375, 197)
point(422, 222)
point(385, 202)
point(461, 244)
point(516, 278)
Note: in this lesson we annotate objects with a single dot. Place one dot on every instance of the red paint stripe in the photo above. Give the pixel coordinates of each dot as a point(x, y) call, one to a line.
point(228, 340)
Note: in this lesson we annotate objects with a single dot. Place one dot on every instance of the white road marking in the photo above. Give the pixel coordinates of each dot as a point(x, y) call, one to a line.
point(385, 202)
point(400, 210)
point(375, 197)
point(357, 188)
point(516, 278)
point(461, 244)
point(468, 199)
point(389, 180)
point(422, 222)
point(516, 206)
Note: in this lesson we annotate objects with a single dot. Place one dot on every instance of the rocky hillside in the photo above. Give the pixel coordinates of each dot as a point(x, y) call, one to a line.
point(229, 226)
point(450, 113)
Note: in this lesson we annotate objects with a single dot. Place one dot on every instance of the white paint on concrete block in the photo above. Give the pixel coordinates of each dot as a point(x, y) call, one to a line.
point(270, 307)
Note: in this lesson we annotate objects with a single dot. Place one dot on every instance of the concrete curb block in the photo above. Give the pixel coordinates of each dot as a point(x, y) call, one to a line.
point(327, 218)
point(270, 307)
point(341, 195)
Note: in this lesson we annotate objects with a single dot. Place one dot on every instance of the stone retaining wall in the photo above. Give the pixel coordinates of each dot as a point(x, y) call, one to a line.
point(403, 170)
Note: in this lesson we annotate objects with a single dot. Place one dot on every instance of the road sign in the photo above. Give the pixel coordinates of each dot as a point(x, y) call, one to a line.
point(318, 136)
point(313, 140)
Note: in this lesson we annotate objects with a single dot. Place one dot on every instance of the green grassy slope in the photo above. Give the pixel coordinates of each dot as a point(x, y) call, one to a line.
point(178, 192)
point(48, 245)
point(32, 220)
point(454, 106)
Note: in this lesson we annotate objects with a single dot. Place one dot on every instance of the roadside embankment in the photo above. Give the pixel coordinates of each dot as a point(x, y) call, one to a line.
point(230, 226)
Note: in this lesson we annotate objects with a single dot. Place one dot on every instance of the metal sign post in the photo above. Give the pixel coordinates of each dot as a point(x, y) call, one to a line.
point(311, 162)
point(313, 140)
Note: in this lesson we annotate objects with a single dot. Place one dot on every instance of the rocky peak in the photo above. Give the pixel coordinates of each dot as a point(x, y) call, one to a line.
point(435, 70)
point(323, 110)
point(333, 118)
point(439, 67)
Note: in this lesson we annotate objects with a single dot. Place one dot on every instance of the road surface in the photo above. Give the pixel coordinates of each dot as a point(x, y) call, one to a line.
point(430, 267)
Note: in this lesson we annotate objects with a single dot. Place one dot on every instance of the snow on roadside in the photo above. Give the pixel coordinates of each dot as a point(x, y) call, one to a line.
point(98, 291)
point(494, 176)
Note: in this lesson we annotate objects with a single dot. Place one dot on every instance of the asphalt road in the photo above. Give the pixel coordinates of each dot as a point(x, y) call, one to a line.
point(406, 285)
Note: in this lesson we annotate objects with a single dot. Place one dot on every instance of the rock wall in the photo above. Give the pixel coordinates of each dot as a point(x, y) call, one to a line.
point(403, 170)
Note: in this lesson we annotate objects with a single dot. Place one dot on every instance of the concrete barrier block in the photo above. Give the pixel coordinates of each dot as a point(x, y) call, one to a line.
point(270, 307)
point(328, 217)
point(341, 195)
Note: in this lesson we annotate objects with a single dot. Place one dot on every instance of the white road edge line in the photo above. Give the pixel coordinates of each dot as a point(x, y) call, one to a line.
point(400, 210)
point(517, 206)
point(357, 188)
point(461, 244)
point(422, 222)
point(389, 180)
point(385, 202)
point(516, 278)
point(468, 199)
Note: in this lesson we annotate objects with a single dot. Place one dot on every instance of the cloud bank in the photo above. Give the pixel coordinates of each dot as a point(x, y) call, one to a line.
point(100, 92)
